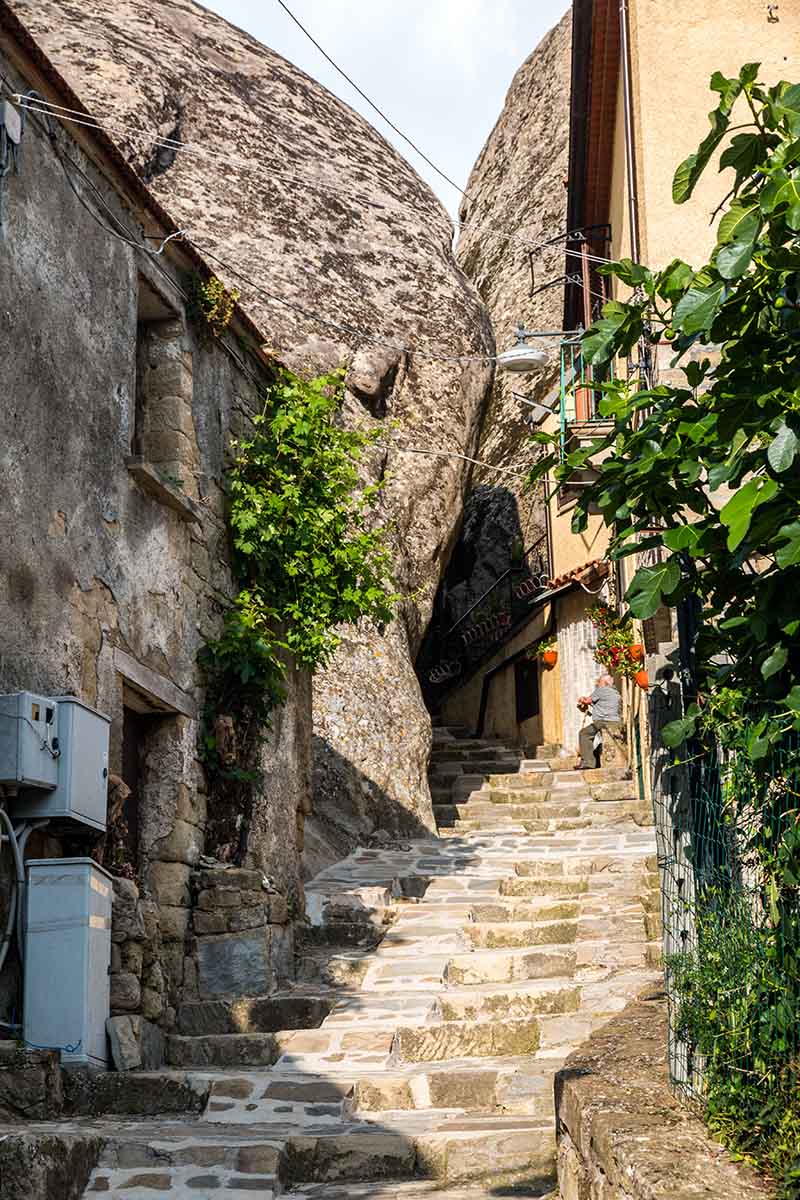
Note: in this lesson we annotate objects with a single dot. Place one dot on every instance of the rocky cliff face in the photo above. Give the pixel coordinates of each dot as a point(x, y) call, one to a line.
point(314, 213)
point(516, 199)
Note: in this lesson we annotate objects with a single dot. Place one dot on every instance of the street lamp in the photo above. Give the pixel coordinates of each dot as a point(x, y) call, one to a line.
point(522, 358)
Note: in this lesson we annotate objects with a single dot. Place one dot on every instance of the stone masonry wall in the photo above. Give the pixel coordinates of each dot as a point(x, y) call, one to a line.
point(115, 566)
point(359, 239)
point(622, 1132)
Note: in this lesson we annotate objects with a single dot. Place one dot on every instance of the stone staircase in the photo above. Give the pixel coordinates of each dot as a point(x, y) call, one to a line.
point(440, 986)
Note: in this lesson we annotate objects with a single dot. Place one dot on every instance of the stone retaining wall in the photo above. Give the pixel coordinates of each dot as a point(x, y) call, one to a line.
point(624, 1135)
point(243, 943)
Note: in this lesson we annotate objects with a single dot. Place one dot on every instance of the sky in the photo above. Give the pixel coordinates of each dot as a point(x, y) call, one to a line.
point(439, 68)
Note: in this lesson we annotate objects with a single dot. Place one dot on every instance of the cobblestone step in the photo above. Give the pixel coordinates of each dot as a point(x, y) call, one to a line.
point(497, 967)
point(252, 1014)
point(402, 1190)
point(521, 935)
point(497, 1151)
point(440, 986)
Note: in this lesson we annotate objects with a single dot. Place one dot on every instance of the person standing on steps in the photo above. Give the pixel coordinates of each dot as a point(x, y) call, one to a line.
point(605, 706)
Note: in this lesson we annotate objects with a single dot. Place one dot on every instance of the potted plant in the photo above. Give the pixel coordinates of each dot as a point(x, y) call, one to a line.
point(548, 650)
point(616, 649)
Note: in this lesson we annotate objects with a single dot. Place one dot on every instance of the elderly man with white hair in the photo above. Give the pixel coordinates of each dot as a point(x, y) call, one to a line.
point(605, 705)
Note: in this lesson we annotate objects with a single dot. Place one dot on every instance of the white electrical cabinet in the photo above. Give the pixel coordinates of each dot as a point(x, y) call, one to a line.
point(67, 958)
point(28, 741)
point(81, 778)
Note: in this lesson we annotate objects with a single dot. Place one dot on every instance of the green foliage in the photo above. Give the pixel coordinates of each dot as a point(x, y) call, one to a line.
point(299, 519)
point(614, 640)
point(737, 989)
point(307, 558)
point(738, 1007)
point(211, 304)
point(706, 469)
point(243, 670)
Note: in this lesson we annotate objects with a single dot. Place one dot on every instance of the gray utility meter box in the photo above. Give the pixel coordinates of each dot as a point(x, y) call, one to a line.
point(28, 741)
point(67, 958)
point(81, 784)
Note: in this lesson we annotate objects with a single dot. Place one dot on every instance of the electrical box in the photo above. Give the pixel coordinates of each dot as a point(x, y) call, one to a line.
point(67, 958)
point(28, 741)
point(81, 786)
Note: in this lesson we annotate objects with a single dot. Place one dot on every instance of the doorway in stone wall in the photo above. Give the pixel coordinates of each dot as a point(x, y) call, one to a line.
point(122, 843)
point(134, 734)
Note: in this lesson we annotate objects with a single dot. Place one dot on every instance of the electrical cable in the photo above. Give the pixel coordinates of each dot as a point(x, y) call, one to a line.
point(340, 327)
point(20, 880)
point(371, 103)
point(352, 331)
point(91, 121)
point(453, 454)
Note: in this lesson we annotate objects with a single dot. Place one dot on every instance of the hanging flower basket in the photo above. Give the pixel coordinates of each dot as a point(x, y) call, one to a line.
point(642, 680)
point(616, 649)
point(550, 658)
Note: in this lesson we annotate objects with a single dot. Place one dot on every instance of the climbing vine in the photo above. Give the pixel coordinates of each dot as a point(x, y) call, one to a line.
point(308, 557)
point(211, 304)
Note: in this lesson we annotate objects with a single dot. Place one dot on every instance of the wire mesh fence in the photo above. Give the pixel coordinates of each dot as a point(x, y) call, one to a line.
point(729, 855)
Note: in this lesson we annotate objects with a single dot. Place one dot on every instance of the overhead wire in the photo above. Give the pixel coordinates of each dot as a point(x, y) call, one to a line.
point(63, 113)
point(121, 232)
point(370, 102)
point(159, 141)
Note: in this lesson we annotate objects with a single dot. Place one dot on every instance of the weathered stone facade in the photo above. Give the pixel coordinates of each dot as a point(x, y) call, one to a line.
point(313, 213)
point(115, 425)
point(623, 1134)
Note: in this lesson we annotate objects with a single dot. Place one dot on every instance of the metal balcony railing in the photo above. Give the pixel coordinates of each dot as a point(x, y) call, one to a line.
point(579, 393)
point(480, 631)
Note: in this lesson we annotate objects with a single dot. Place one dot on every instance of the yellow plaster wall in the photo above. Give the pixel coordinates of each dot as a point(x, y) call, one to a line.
point(676, 48)
point(570, 550)
point(463, 706)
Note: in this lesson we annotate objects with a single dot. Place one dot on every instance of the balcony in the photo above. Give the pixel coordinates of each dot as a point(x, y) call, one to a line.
point(580, 421)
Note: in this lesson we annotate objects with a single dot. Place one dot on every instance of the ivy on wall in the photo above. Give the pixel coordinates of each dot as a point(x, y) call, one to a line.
point(308, 558)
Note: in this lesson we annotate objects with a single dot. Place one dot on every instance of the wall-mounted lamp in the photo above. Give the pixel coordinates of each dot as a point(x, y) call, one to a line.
point(522, 358)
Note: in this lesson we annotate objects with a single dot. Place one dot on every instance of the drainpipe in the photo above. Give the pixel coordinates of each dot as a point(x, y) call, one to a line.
point(630, 151)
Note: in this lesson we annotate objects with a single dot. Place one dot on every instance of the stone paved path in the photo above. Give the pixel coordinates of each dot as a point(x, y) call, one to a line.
point(448, 981)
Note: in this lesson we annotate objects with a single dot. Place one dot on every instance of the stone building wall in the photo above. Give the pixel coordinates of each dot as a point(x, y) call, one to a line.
point(114, 430)
point(345, 229)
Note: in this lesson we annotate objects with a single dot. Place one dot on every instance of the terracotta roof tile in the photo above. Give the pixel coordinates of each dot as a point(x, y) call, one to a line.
point(597, 567)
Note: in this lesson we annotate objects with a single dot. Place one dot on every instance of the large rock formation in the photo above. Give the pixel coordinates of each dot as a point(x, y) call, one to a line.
point(311, 212)
point(515, 200)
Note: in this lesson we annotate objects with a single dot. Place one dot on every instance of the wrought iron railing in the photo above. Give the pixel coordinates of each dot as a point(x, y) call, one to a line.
point(454, 652)
point(579, 391)
point(728, 852)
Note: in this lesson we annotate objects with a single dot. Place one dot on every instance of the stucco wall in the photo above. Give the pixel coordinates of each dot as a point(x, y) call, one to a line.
point(674, 53)
point(463, 705)
point(571, 550)
point(100, 581)
point(577, 639)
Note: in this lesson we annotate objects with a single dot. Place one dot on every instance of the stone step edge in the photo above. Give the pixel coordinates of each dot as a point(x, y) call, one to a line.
point(426, 1155)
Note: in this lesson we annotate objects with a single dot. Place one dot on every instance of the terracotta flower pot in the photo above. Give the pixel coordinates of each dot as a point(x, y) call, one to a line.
point(637, 651)
point(549, 657)
point(642, 680)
